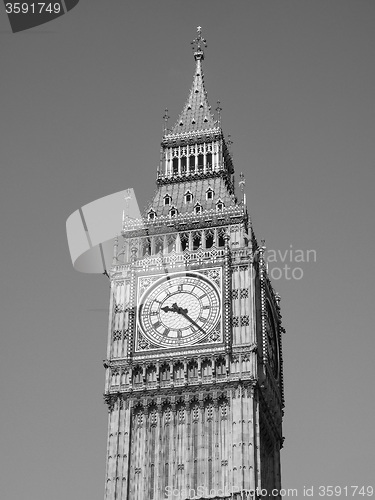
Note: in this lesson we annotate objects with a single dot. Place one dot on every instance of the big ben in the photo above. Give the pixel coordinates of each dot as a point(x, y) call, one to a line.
point(194, 382)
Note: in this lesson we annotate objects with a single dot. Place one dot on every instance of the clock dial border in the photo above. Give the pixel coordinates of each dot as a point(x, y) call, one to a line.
point(195, 333)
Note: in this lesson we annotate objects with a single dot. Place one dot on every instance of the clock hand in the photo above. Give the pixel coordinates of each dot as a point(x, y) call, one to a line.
point(177, 309)
point(191, 320)
point(167, 309)
point(174, 308)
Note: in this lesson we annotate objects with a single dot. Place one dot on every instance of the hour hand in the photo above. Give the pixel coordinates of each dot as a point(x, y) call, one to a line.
point(166, 309)
point(178, 310)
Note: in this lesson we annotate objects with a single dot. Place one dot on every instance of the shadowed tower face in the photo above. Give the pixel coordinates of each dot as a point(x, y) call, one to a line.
point(194, 369)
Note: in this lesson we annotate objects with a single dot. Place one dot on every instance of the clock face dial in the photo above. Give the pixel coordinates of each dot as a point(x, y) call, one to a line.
point(273, 354)
point(179, 310)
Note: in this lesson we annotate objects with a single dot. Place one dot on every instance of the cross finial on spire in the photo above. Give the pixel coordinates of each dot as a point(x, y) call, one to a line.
point(197, 43)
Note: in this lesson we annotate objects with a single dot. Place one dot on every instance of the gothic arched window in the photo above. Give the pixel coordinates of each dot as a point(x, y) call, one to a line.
point(209, 237)
point(209, 161)
point(188, 197)
point(178, 372)
point(198, 208)
point(221, 368)
point(165, 373)
point(183, 164)
point(209, 194)
point(151, 214)
point(159, 244)
point(184, 238)
point(200, 162)
point(146, 246)
point(138, 376)
point(173, 212)
point(193, 370)
point(175, 166)
point(192, 163)
point(206, 368)
point(219, 205)
point(196, 240)
point(167, 199)
point(221, 240)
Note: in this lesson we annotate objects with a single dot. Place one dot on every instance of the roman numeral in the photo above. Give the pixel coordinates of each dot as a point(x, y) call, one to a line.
point(157, 324)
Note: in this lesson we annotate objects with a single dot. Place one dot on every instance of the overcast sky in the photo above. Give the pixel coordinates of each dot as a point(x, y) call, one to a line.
point(82, 101)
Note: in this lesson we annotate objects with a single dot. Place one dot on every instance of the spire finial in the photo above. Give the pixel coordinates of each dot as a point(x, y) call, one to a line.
point(165, 117)
point(242, 186)
point(197, 44)
point(229, 143)
point(218, 110)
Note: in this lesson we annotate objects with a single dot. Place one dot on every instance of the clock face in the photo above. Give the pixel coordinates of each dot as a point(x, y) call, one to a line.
point(180, 309)
point(273, 354)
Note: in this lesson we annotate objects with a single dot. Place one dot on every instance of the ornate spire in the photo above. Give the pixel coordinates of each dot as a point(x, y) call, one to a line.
point(196, 115)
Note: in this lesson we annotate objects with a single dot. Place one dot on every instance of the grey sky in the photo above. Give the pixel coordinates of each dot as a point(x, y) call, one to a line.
point(82, 100)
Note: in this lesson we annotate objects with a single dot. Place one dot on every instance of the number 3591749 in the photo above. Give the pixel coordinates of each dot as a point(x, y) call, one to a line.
point(32, 8)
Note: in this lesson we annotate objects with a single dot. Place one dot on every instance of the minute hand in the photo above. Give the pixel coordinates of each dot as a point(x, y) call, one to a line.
point(182, 311)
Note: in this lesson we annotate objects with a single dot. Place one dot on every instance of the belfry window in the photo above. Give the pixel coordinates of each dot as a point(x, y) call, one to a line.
point(183, 164)
point(209, 194)
point(200, 162)
point(175, 166)
point(173, 212)
point(209, 161)
point(192, 163)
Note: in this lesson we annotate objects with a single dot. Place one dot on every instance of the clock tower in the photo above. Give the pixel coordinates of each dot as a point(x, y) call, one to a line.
point(194, 383)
